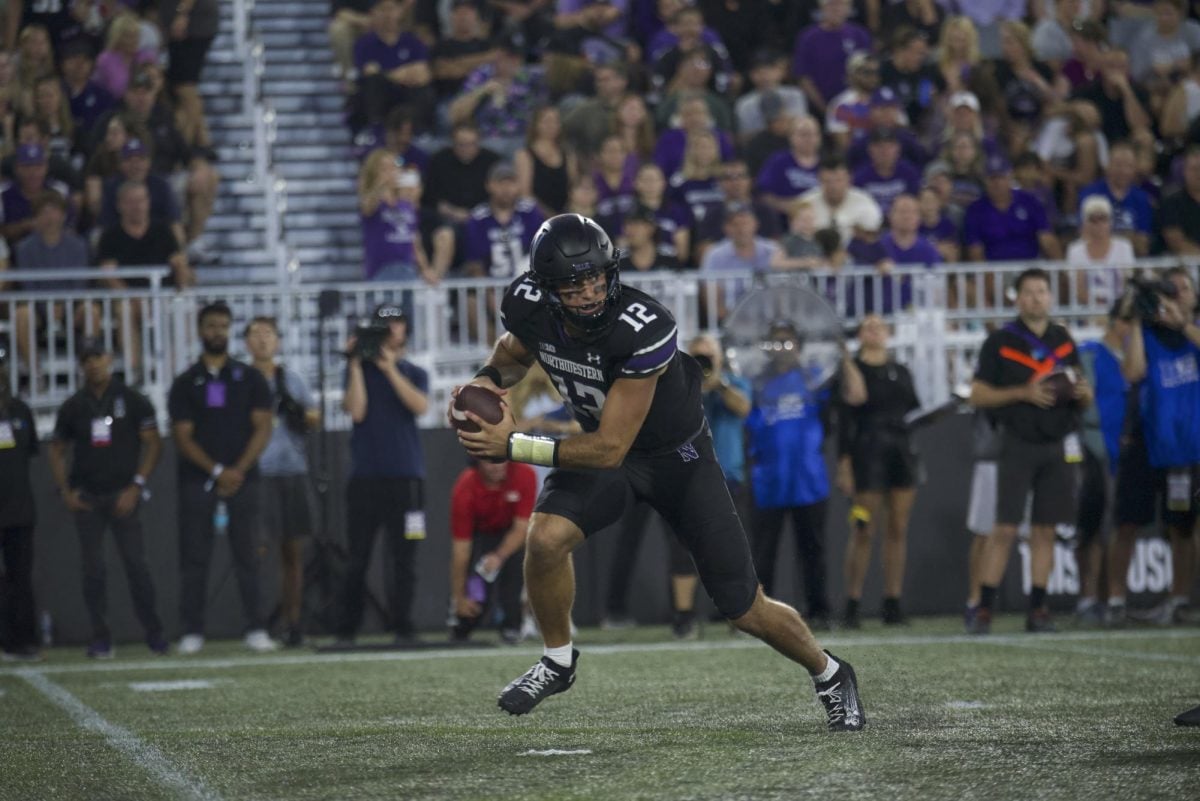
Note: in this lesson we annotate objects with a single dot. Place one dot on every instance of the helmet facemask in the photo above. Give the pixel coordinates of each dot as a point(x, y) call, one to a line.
point(604, 315)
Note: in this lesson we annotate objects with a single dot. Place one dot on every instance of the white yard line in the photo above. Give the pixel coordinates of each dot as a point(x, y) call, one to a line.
point(833, 642)
point(142, 754)
point(557, 752)
point(1127, 657)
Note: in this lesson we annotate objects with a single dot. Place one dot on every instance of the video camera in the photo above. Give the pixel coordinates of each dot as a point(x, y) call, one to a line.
point(706, 364)
point(372, 332)
point(1145, 296)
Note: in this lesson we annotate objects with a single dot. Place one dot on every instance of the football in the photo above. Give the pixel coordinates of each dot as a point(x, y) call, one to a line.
point(1062, 383)
point(482, 402)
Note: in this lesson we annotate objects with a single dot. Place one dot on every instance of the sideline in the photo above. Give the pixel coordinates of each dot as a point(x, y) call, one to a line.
point(142, 754)
point(835, 641)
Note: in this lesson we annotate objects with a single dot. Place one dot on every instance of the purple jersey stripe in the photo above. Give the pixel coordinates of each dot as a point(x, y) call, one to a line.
point(652, 360)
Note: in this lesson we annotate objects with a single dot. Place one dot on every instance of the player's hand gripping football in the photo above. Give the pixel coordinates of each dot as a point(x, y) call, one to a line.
point(489, 440)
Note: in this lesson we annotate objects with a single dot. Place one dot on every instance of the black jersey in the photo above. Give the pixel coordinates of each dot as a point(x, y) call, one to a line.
point(641, 342)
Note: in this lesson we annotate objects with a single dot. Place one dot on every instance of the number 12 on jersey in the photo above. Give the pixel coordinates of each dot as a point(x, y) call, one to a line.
point(637, 316)
point(580, 397)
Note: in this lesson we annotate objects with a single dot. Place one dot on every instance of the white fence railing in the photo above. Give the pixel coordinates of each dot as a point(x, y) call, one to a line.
point(939, 316)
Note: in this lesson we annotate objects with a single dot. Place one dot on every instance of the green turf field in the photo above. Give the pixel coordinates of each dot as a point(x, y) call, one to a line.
point(1082, 715)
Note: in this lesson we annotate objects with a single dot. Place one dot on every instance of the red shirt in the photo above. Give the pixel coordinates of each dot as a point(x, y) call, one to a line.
point(477, 508)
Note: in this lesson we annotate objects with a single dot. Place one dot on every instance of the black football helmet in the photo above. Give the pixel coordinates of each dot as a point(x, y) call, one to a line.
point(571, 249)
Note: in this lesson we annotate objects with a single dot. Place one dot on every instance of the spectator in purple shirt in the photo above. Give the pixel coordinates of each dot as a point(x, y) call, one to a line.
point(821, 52)
point(87, 98)
point(670, 35)
point(17, 197)
point(903, 241)
point(393, 66)
point(672, 221)
point(500, 97)
point(1007, 224)
point(936, 226)
point(886, 177)
point(1133, 214)
point(695, 188)
point(885, 111)
point(115, 65)
point(500, 231)
point(392, 247)
point(790, 173)
point(694, 117)
point(689, 28)
point(616, 169)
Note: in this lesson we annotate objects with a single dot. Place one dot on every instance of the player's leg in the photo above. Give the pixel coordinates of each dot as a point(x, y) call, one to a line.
point(571, 504)
point(981, 520)
point(683, 588)
point(808, 527)
point(895, 551)
point(768, 525)
point(1094, 496)
point(1014, 476)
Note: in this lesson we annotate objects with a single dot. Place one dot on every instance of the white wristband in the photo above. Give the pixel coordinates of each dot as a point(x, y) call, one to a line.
point(217, 470)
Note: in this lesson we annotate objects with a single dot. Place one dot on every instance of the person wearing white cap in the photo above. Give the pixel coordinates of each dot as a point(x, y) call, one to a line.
point(1100, 257)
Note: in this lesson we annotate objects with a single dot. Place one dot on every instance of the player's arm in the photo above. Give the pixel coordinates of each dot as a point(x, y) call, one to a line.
point(510, 360)
point(513, 540)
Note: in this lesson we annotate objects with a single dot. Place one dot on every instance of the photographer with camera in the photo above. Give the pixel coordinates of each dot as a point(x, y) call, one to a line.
point(1028, 378)
point(385, 394)
point(288, 504)
point(1160, 458)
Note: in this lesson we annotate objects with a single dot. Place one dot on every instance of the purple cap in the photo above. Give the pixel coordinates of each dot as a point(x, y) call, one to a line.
point(884, 96)
point(31, 153)
point(997, 165)
point(133, 147)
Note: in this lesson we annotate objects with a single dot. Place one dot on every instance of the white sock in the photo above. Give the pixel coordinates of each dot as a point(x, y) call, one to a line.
point(1115, 601)
point(1084, 603)
point(830, 668)
point(560, 656)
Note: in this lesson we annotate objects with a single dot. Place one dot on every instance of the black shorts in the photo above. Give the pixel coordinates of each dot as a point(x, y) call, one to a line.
point(185, 60)
point(883, 461)
point(1095, 497)
point(1041, 468)
point(287, 504)
point(688, 489)
point(1142, 491)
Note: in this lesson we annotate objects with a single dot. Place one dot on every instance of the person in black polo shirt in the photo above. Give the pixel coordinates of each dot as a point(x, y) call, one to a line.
point(1028, 376)
point(113, 433)
point(18, 444)
point(384, 397)
point(221, 411)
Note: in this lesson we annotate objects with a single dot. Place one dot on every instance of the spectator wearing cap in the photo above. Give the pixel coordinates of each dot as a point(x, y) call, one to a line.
point(770, 98)
point(886, 113)
point(134, 165)
point(789, 173)
point(18, 515)
point(188, 168)
point(462, 48)
point(772, 138)
point(1052, 35)
point(1181, 209)
point(846, 115)
point(586, 123)
point(1100, 258)
point(115, 64)
point(694, 117)
point(35, 131)
point(393, 66)
point(741, 250)
point(643, 247)
point(51, 245)
point(500, 97)
point(457, 176)
point(1122, 104)
point(190, 26)
point(392, 246)
point(840, 206)
point(17, 196)
point(499, 233)
point(672, 221)
point(821, 52)
point(886, 176)
point(384, 397)
point(1133, 213)
point(917, 83)
point(87, 98)
point(111, 435)
point(964, 115)
point(221, 417)
point(1007, 224)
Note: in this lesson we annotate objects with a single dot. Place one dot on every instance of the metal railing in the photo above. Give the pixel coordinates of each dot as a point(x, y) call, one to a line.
point(939, 317)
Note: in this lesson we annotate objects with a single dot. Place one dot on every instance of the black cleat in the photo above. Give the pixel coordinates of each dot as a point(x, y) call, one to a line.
point(979, 620)
point(839, 696)
point(541, 681)
point(1189, 718)
point(1038, 621)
